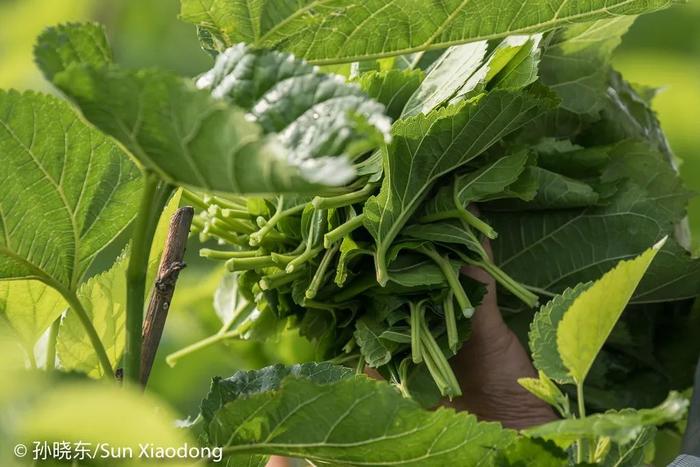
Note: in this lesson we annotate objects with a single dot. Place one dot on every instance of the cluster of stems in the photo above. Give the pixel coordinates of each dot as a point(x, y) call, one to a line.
point(297, 253)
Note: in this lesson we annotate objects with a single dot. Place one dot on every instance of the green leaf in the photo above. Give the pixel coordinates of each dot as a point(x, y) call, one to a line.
point(556, 191)
point(490, 180)
point(414, 270)
point(392, 88)
point(627, 115)
point(374, 350)
point(543, 388)
point(487, 183)
point(349, 249)
point(321, 121)
point(339, 31)
point(450, 231)
point(86, 413)
point(465, 71)
point(590, 318)
point(566, 158)
point(457, 68)
point(357, 421)
point(525, 452)
point(543, 334)
point(427, 147)
point(60, 46)
point(300, 133)
point(29, 307)
point(66, 191)
point(104, 299)
point(621, 427)
point(246, 384)
point(649, 203)
point(630, 454)
point(575, 63)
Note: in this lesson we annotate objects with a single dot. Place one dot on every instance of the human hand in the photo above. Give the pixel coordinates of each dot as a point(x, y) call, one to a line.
point(490, 363)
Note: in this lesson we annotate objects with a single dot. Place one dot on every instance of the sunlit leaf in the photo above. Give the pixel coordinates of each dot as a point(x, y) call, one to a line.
point(590, 318)
point(344, 31)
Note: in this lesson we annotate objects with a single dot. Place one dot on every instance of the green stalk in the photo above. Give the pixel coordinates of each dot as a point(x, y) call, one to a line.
point(321, 272)
point(221, 335)
point(237, 225)
point(218, 254)
point(257, 237)
point(155, 195)
point(452, 279)
point(470, 218)
point(451, 322)
point(433, 349)
point(513, 286)
point(51, 348)
point(580, 445)
point(477, 223)
point(235, 214)
point(244, 264)
point(195, 199)
point(360, 368)
point(173, 358)
point(210, 229)
point(303, 258)
point(435, 372)
point(342, 230)
point(225, 203)
point(283, 259)
point(274, 281)
point(380, 267)
point(416, 319)
point(346, 199)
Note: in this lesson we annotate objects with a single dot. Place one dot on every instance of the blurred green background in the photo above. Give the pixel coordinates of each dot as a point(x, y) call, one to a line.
point(661, 50)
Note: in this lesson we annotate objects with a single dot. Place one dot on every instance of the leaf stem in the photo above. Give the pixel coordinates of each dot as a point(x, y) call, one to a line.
point(513, 286)
point(276, 280)
point(452, 279)
point(218, 254)
point(380, 266)
point(244, 264)
point(463, 214)
point(477, 223)
point(443, 366)
point(416, 319)
point(51, 347)
point(580, 445)
point(155, 195)
point(221, 335)
point(172, 359)
point(321, 272)
point(450, 321)
point(303, 258)
point(195, 199)
point(257, 237)
point(345, 199)
point(342, 230)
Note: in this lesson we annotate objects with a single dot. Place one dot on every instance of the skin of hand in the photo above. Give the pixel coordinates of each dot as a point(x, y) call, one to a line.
point(489, 365)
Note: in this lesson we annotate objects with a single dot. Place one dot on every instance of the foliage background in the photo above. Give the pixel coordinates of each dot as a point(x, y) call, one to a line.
point(661, 50)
